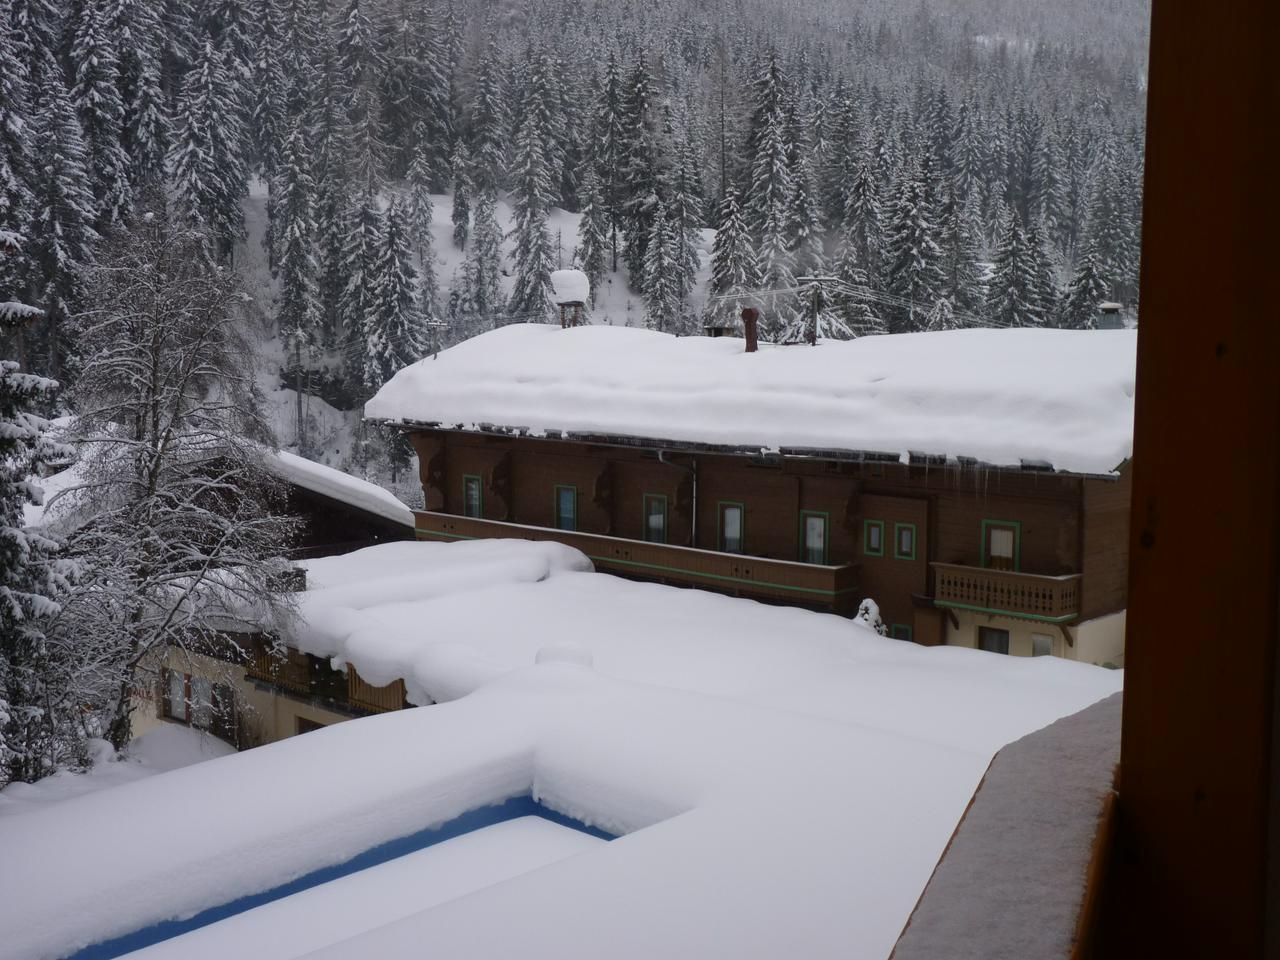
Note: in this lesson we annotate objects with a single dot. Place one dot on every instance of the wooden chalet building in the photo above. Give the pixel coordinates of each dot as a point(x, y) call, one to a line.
point(634, 447)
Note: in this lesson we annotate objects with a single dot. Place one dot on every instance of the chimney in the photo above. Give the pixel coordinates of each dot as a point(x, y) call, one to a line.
point(750, 325)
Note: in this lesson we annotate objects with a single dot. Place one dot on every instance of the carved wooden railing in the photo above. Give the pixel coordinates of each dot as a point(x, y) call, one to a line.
point(1029, 595)
point(814, 585)
point(312, 677)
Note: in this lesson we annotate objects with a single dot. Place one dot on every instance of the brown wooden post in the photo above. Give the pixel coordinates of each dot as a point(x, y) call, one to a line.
point(1198, 860)
point(750, 327)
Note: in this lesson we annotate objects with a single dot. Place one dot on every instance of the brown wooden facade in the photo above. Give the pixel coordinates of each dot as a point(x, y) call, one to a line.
point(912, 536)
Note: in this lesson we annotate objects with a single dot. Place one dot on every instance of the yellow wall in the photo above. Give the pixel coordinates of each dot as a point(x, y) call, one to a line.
point(1099, 641)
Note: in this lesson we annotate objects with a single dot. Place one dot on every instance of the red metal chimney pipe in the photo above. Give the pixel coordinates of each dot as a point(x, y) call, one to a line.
point(750, 327)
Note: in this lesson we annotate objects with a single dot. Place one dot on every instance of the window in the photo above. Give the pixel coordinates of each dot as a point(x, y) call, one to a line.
point(655, 518)
point(1041, 645)
point(900, 631)
point(175, 696)
point(566, 508)
point(904, 541)
point(813, 537)
point(1001, 544)
point(731, 527)
point(873, 538)
point(992, 640)
point(472, 497)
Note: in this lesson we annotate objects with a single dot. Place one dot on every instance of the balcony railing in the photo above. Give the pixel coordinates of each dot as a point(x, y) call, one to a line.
point(804, 584)
point(311, 677)
point(1027, 596)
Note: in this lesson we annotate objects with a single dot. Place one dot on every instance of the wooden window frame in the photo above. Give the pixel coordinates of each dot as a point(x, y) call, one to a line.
point(556, 507)
point(902, 631)
point(826, 536)
point(866, 539)
point(897, 541)
point(644, 516)
point(1017, 541)
point(466, 478)
point(742, 535)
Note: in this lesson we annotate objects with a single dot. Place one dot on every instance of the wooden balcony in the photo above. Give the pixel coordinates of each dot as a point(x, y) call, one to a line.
point(832, 588)
point(1025, 596)
point(312, 678)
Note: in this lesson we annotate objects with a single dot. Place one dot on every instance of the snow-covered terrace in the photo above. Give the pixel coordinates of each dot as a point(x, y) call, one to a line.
point(1025, 397)
point(782, 783)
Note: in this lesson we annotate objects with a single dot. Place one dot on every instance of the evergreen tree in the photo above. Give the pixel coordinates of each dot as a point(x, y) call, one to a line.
point(151, 131)
point(959, 239)
point(39, 725)
point(607, 152)
point(269, 113)
point(296, 266)
point(484, 258)
point(461, 215)
point(98, 104)
point(638, 169)
point(62, 228)
point(815, 316)
point(864, 220)
point(1087, 292)
point(662, 294)
point(1043, 285)
point(490, 121)
point(360, 267)
point(209, 174)
point(853, 300)
point(733, 267)
point(1013, 297)
point(394, 336)
point(531, 197)
point(913, 257)
point(16, 146)
point(593, 235)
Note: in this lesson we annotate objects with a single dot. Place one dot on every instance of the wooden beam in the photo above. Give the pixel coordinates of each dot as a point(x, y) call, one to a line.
point(1197, 810)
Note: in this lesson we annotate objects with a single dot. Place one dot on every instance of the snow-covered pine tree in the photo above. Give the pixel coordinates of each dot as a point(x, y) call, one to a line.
point(62, 234)
point(269, 110)
point(188, 533)
point(1043, 270)
point(460, 162)
point(805, 225)
point(913, 259)
point(733, 265)
point(40, 728)
point(638, 169)
point(151, 132)
point(607, 150)
point(593, 234)
point(490, 118)
point(864, 221)
point(35, 28)
point(1087, 292)
point(98, 105)
point(16, 146)
point(357, 48)
point(360, 264)
point(420, 210)
point(394, 335)
point(415, 87)
point(684, 213)
point(853, 299)
point(1013, 298)
point(296, 267)
point(960, 235)
point(531, 196)
point(484, 258)
point(210, 177)
point(664, 303)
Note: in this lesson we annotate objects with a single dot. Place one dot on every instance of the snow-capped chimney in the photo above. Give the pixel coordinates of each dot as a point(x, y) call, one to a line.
point(750, 327)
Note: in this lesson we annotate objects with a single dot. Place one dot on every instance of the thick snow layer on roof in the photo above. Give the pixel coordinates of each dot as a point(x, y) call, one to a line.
point(1059, 397)
point(340, 486)
point(785, 781)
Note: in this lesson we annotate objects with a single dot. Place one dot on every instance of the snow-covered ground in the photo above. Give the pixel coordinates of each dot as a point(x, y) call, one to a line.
point(1058, 397)
point(167, 747)
point(782, 782)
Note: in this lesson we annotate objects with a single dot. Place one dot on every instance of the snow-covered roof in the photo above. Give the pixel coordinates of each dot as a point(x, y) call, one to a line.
point(339, 486)
point(785, 780)
point(1004, 397)
point(570, 286)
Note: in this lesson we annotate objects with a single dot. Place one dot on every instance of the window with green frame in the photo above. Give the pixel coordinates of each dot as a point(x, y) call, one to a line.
point(900, 631)
point(904, 541)
point(472, 496)
point(813, 536)
point(655, 517)
point(566, 507)
point(731, 522)
point(873, 538)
